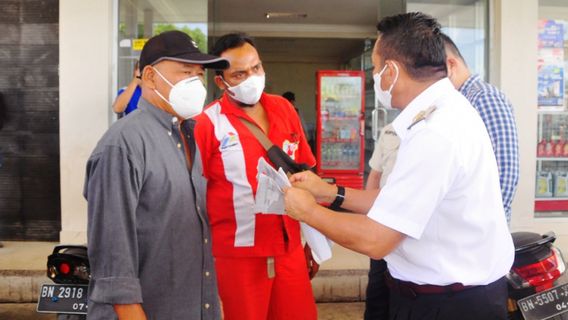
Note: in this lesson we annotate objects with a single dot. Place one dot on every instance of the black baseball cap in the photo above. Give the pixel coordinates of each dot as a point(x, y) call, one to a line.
point(177, 46)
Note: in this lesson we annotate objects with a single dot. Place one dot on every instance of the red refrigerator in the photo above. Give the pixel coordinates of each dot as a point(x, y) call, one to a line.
point(340, 126)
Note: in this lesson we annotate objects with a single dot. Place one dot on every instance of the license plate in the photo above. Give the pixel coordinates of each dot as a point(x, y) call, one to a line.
point(545, 304)
point(63, 298)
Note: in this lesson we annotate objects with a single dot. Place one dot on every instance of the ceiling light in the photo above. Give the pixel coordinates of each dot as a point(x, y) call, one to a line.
point(274, 15)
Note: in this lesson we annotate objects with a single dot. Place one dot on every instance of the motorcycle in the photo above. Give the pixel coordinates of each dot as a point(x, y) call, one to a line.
point(68, 267)
point(536, 288)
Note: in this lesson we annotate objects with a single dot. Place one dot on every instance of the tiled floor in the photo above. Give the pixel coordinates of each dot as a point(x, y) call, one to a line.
point(341, 311)
point(327, 311)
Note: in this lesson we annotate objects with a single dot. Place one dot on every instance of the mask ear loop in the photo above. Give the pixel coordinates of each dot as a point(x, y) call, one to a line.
point(228, 89)
point(166, 80)
point(383, 71)
point(161, 76)
point(395, 77)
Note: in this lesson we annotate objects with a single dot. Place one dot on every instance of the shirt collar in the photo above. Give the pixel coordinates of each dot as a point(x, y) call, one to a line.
point(468, 83)
point(164, 118)
point(422, 102)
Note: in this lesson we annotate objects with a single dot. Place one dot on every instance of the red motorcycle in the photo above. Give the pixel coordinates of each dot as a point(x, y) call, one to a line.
point(536, 290)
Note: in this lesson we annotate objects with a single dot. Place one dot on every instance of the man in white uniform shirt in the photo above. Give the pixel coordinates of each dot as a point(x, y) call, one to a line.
point(439, 221)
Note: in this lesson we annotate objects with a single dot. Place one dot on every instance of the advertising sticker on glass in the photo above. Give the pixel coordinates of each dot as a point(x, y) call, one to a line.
point(551, 65)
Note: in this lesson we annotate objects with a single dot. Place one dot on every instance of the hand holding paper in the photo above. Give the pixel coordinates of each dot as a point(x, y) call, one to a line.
point(270, 199)
point(298, 203)
point(321, 190)
point(269, 195)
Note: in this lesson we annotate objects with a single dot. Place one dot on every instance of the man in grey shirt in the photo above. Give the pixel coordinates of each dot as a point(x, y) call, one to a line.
point(148, 234)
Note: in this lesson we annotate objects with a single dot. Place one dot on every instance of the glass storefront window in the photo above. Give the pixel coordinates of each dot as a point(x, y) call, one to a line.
point(466, 23)
point(551, 190)
point(142, 19)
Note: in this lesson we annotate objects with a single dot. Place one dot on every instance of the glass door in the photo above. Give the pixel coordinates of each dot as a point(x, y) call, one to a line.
point(551, 190)
point(140, 20)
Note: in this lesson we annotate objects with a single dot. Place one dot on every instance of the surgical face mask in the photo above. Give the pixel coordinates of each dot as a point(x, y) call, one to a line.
point(384, 97)
point(249, 91)
point(187, 97)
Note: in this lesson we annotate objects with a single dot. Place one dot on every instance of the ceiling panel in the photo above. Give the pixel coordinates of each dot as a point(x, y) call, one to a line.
point(308, 50)
point(355, 12)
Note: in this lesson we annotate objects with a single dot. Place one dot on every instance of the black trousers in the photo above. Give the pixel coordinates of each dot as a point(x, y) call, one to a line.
point(377, 302)
point(479, 303)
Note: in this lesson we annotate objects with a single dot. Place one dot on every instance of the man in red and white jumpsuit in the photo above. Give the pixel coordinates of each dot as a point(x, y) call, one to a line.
point(261, 266)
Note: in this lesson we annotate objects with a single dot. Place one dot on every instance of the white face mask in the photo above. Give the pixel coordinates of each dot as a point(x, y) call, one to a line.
point(248, 91)
point(384, 97)
point(187, 97)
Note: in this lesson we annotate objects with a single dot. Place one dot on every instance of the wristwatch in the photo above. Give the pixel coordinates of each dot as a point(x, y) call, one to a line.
point(339, 197)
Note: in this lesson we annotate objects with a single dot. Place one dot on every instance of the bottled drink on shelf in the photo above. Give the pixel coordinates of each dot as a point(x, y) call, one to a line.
point(353, 134)
point(559, 143)
point(354, 155)
point(336, 155)
point(543, 184)
point(560, 184)
point(549, 149)
point(345, 154)
point(559, 148)
point(325, 154)
point(541, 148)
point(344, 133)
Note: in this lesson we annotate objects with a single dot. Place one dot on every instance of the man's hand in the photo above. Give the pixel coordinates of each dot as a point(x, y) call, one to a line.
point(299, 203)
point(137, 78)
point(313, 266)
point(129, 312)
point(321, 190)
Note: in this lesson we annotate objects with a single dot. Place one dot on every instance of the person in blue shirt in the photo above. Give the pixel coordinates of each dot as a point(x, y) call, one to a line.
point(497, 114)
point(127, 99)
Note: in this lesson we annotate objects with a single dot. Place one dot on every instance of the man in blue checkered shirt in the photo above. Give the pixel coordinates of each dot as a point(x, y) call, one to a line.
point(497, 114)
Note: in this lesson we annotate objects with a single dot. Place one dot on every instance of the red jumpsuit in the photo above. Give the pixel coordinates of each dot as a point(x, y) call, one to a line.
point(261, 268)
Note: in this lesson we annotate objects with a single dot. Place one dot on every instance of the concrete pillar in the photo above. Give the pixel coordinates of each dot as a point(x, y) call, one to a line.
point(513, 66)
point(87, 35)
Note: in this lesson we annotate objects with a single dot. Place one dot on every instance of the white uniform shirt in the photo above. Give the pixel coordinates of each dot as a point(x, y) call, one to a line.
point(444, 195)
point(384, 155)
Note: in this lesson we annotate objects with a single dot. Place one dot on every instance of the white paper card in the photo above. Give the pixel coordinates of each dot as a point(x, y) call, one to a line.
point(270, 200)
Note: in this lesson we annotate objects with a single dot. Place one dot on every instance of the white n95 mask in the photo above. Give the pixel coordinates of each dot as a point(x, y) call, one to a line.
point(248, 91)
point(187, 97)
point(384, 97)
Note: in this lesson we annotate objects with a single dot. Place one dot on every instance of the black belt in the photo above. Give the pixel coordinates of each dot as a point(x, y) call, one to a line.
point(412, 290)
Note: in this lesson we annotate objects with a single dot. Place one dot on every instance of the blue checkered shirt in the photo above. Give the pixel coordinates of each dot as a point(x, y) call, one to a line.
point(497, 114)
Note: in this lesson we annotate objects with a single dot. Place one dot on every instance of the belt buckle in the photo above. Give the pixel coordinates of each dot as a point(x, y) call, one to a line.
point(270, 267)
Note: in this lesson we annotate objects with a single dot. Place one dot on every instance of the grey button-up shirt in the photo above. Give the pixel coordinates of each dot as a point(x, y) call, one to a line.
point(148, 234)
